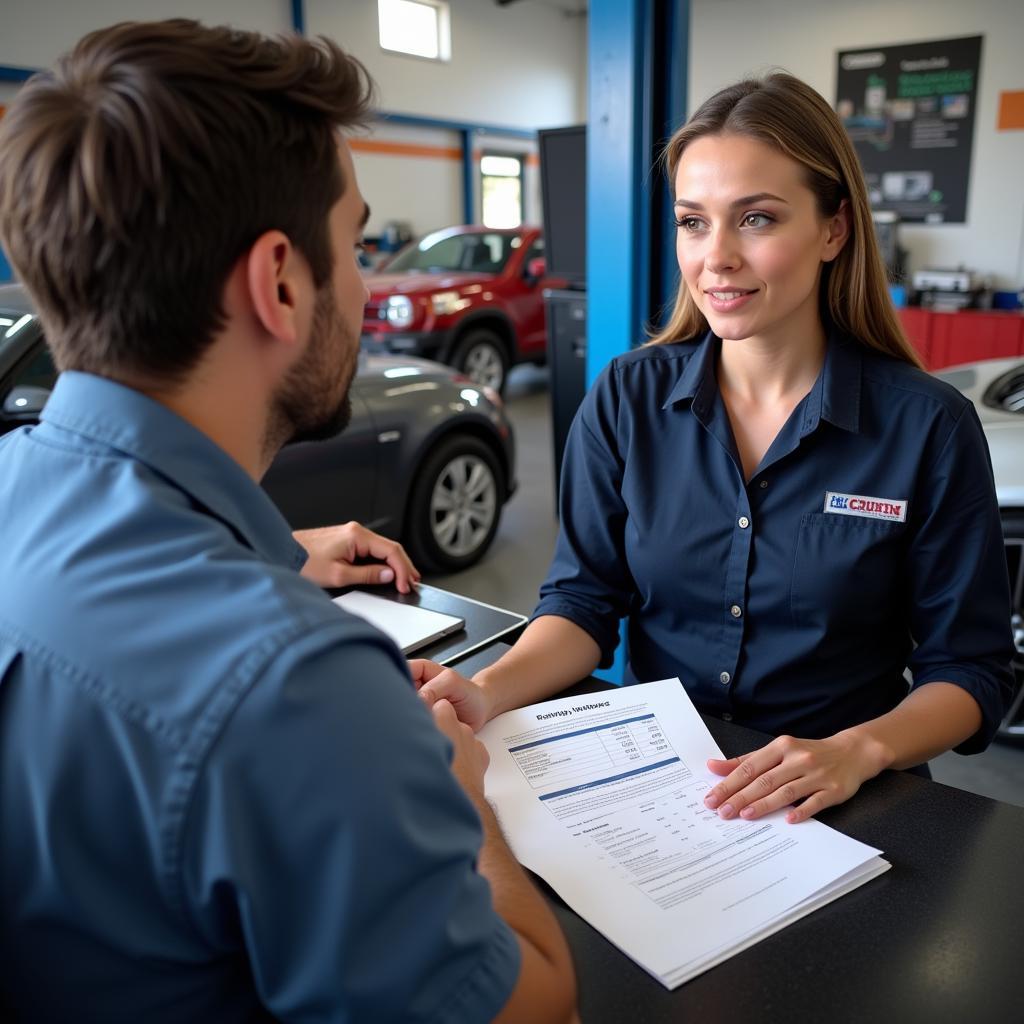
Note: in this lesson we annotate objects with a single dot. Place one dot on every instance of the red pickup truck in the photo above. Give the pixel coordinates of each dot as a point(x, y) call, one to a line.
point(472, 297)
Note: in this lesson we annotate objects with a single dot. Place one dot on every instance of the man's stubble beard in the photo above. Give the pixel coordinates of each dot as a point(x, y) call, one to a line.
point(306, 406)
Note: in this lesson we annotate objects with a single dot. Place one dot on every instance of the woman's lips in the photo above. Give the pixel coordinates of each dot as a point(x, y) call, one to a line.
point(727, 300)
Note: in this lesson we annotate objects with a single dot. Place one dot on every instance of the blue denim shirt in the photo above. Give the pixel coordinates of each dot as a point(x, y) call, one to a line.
point(221, 799)
point(867, 540)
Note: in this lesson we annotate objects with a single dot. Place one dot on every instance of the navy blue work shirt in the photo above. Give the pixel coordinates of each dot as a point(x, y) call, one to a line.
point(220, 798)
point(791, 602)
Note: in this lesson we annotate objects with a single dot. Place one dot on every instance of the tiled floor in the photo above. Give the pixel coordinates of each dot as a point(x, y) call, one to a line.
point(512, 571)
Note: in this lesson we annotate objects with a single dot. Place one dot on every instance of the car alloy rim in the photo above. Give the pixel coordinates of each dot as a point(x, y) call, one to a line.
point(483, 366)
point(463, 505)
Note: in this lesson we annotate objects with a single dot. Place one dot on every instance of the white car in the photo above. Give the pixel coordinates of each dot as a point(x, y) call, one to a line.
point(996, 387)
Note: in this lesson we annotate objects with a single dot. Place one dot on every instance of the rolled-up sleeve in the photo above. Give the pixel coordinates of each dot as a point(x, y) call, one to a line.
point(329, 842)
point(589, 581)
point(959, 587)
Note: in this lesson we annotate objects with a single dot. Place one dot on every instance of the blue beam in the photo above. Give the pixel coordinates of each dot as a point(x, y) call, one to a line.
point(468, 176)
point(299, 16)
point(10, 73)
point(416, 121)
point(15, 74)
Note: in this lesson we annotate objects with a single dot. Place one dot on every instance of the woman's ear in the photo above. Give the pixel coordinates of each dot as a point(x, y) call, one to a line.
point(838, 232)
point(276, 278)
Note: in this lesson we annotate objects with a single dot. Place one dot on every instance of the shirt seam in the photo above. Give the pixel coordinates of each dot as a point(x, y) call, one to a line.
point(90, 684)
point(957, 398)
point(181, 788)
point(469, 984)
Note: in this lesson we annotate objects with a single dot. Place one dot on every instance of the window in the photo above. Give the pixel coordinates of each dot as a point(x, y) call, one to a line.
point(420, 28)
point(501, 190)
point(481, 251)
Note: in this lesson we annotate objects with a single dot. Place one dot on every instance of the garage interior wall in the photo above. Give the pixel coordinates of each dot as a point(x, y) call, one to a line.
point(802, 36)
point(523, 67)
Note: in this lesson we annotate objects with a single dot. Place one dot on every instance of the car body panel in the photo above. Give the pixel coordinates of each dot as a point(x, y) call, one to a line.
point(1004, 430)
point(401, 408)
point(509, 297)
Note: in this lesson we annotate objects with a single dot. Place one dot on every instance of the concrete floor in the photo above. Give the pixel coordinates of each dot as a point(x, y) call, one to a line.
point(512, 571)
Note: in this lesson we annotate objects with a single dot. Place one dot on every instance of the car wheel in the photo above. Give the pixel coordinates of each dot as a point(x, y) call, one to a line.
point(455, 505)
point(1011, 729)
point(481, 356)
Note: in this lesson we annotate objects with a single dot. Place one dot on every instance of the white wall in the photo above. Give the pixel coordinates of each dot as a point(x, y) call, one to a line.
point(520, 67)
point(732, 38)
point(35, 32)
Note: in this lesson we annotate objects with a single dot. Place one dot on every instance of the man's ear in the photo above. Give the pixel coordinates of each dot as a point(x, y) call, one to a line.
point(277, 278)
point(838, 232)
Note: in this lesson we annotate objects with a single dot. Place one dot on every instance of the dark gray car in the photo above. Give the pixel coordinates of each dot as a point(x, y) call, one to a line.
point(428, 457)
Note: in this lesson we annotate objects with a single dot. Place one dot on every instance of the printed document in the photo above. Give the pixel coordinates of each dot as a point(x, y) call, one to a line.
point(603, 797)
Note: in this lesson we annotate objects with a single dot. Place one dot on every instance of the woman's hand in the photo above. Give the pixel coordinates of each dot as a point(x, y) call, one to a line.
point(434, 682)
point(820, 773)
point(333, 551)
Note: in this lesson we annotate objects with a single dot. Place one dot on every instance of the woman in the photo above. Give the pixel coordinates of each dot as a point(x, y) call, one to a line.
point(787, 510)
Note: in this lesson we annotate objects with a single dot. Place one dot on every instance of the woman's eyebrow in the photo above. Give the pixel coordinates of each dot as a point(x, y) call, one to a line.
point(757, 197)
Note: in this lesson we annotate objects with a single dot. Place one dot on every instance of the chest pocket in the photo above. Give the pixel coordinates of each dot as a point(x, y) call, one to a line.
point(848, 571)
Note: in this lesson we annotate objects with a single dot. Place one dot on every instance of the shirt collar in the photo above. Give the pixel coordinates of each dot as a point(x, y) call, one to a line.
point(835, 396)
point(125, 419)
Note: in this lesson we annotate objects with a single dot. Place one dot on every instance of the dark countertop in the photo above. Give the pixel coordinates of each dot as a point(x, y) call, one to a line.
point(936, 938)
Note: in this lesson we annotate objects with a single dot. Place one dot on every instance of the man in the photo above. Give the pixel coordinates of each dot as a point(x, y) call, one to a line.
point(221, 799)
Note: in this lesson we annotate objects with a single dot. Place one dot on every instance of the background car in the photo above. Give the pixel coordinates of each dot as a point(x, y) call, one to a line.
point(996, 387)
point(429, 457)
point(471, 297)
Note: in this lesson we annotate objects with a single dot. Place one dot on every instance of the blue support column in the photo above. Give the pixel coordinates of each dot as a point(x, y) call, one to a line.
point(615, 135)
point(673, 38)
point(638, 66)
point(299, 16)
point(468, 176)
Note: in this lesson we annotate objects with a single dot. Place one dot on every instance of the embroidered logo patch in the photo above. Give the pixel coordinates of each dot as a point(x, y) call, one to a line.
point(893, 509)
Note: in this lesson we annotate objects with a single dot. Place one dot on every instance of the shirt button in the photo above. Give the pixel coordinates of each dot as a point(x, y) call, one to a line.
point(764, 484)
point(744, 522)
point(724, 678)
point(726, 717)
point(736, 610)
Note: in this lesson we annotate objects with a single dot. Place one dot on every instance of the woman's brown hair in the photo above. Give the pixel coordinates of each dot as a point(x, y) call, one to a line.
point(782, 112)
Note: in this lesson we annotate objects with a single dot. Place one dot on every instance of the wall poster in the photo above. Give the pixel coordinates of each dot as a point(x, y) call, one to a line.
point(909, 110)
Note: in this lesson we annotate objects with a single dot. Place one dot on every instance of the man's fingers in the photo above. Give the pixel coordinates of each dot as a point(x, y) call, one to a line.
point(360, 575)
point(372, 545)
point(423, 670)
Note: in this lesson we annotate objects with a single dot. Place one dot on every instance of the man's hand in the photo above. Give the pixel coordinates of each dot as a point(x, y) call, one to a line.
point(333, 551)
point(470, 702)
point(820, 773)
point(470, 759)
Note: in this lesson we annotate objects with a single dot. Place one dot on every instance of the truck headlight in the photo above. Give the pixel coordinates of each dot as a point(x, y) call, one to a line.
point(398, 310)
point(447, 302)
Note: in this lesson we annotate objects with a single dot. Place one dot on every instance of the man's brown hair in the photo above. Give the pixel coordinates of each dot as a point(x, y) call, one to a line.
point(136, 173)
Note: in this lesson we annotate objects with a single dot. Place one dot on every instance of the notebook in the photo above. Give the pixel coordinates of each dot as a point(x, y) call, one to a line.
point(410, 626)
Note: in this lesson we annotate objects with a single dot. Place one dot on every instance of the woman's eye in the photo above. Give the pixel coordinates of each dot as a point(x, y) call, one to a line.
point(756, 220)
point(688, 223)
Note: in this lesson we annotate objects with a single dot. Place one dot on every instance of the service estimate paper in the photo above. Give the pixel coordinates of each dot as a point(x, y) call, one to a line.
point(603, 797)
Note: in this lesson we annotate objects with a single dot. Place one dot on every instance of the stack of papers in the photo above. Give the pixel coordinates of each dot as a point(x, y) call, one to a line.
point(603, 797)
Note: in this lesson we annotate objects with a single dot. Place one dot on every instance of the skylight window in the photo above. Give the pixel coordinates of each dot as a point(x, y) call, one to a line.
point(419, 28)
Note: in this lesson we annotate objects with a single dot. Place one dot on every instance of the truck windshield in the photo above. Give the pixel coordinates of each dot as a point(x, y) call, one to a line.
point(486, 252)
